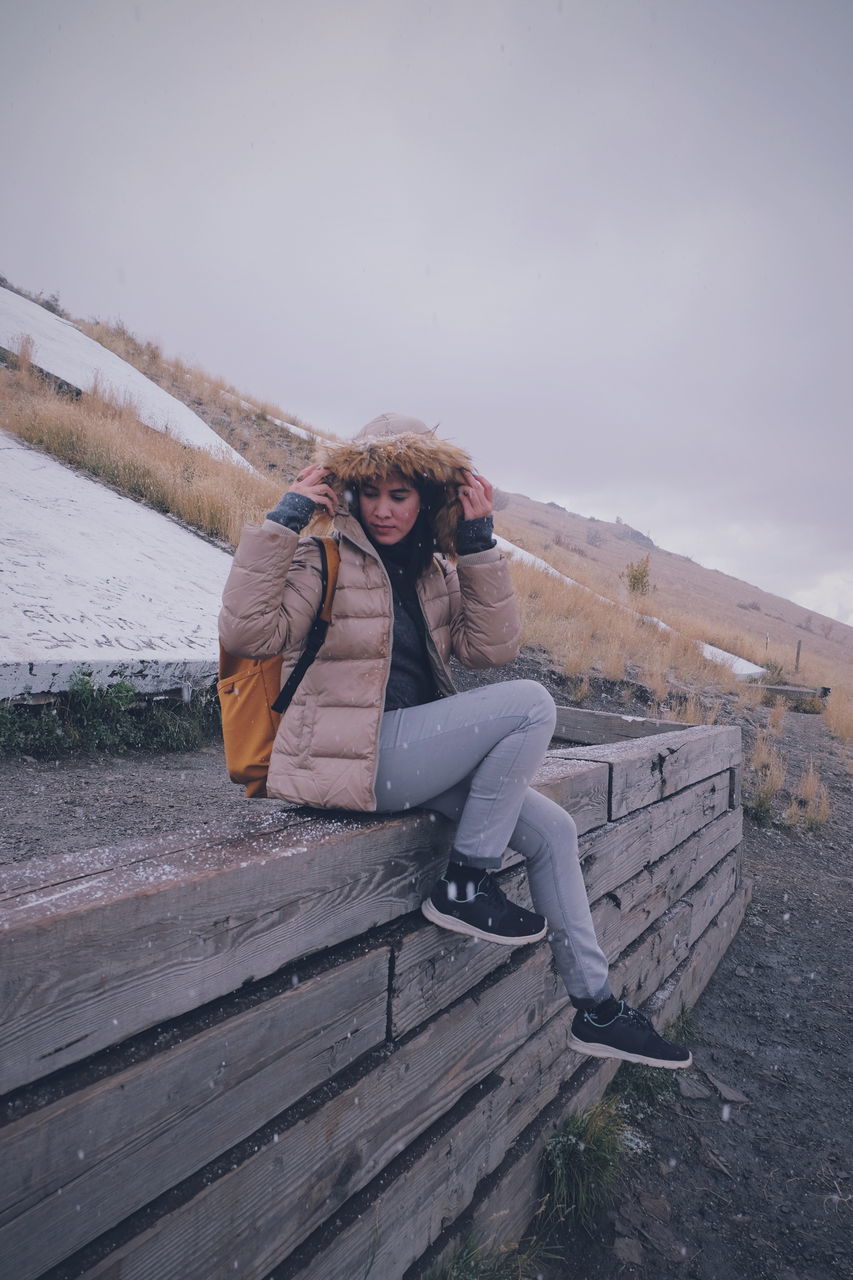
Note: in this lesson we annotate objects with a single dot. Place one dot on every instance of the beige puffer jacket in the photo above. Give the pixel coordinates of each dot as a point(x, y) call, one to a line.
point(325, 752)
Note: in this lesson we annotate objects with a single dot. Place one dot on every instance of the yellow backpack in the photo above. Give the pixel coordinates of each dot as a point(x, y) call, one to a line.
point(251, 697)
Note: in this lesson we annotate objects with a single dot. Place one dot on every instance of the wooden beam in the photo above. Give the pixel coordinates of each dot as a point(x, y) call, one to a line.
point(251, 1218)
point(645, 770)
point(614, 854)
point(622, 915)
point(136, 943)
point(121, 1142)
point(579, 786)
point(595, 728)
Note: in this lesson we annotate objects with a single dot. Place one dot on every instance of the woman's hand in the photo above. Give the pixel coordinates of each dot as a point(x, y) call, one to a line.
point(311, 484)
point(476, 496)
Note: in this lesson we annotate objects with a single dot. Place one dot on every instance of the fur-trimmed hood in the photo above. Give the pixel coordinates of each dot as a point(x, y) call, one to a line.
point(395, 442)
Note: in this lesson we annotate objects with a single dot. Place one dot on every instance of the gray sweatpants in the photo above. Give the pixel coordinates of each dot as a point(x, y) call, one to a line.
point(472, 758)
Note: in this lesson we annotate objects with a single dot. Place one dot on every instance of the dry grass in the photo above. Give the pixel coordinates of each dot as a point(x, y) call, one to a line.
point(776, 717)
point(838, 714)
point(256, 429)
point(749, 696)
point(809, 805)
point(765, 777)
point(109, 442)
point(696, 709)
point(586, 634)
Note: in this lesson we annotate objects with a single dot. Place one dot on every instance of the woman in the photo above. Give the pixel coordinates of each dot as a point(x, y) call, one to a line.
point(376, 724)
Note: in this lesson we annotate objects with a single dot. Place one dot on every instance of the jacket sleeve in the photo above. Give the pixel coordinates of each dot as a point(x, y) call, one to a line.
point(485, 629)
point(272, 593)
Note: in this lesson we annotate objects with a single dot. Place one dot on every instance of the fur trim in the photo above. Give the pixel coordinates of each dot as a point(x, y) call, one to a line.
point(418, 455)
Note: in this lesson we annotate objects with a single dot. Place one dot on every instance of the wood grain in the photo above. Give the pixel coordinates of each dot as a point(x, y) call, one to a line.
point(121, 1142)
point(132, 946)
point(594, 728)
point(613, 854)
point(252, 1217)
point(646, 770)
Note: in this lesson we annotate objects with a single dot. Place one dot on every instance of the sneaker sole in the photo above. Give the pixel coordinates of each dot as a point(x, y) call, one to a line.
point(607, 1051)
point(459, 926)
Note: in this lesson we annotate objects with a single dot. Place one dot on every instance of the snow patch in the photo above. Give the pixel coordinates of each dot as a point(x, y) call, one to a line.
point(59, 348)
point(93, 580)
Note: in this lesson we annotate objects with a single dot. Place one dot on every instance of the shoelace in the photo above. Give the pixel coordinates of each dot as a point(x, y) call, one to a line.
point(626, 1012)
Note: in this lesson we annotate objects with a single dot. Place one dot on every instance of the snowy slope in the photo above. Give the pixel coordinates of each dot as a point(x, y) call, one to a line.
point(739, 666)
point(92, 580)
point(62, 350)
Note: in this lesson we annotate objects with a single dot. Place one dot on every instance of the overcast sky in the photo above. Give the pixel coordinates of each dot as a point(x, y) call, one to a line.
point(607, 244)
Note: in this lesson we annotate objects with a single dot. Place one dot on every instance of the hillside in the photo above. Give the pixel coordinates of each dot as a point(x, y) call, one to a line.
point(164, 439)
point(727, 611)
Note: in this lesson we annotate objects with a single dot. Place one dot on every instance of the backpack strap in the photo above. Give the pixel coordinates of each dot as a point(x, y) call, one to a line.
point(330, 559)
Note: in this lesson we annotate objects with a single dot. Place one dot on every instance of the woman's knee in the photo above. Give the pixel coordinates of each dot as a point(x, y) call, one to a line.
point(538, 703)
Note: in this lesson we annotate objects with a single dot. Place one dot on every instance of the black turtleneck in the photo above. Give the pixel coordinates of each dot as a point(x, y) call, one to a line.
point(410, 680)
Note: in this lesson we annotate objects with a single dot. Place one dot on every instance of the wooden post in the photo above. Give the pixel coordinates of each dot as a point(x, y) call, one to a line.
point(797, 662)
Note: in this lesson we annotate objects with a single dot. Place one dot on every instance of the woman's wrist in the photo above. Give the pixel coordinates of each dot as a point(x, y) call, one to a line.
point(475, 535)
point(293, 510)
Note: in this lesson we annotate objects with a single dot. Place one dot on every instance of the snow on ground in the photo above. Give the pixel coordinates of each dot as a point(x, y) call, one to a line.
point(92, 580)
point(59, 348)
point(739, 666)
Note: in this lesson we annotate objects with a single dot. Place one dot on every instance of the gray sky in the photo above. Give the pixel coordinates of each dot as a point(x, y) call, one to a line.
point(608, 244)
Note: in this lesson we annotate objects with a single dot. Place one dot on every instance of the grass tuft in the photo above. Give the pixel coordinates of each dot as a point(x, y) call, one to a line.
point(809, 805)
point(107, 721)
point(764, 778)
point(581, 1165)
point(838, 714)
point(510, 1262)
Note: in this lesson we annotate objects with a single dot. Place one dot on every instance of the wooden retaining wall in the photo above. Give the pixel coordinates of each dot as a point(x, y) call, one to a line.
point(245, 1053)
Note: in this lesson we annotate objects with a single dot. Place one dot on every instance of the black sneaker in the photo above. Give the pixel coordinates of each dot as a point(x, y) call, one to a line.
point(628, 1035)
point(486, 913)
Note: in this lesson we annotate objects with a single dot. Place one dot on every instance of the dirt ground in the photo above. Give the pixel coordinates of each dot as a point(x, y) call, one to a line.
point(743, 1174)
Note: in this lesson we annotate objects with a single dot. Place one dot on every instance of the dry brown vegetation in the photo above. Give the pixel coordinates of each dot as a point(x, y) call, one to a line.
point(723, 611)
point(256, 429)
point(809, 805)
point(588, 635)
point(765, 777)
point(584, 634)
point(109, 442)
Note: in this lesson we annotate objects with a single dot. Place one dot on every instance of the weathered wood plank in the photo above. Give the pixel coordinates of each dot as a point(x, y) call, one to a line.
point(595, 728)
point(435, 1189)
point(613, 854)
point(121, 1142)
point(578, 786)
point(689, 980)
point(504, 1212)
point(713, 891)
point(621, 916)
point(136, 945)
point(251, 1218)
point(645, 770)
point(433, 967)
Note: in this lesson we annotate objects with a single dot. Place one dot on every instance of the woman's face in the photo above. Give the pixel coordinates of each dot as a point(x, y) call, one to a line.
point(389, 508)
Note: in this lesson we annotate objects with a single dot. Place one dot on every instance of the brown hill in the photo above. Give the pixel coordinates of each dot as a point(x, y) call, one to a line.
point(704, 603)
